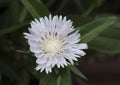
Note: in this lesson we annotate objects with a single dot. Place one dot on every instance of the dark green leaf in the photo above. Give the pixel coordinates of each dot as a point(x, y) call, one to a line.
point(117, 22)
point(63, 78)
point(108, 41)
point(48, 79)
point(111, 33)
point(11, 29)
point(93, 5)
point(91, 30)
point(77, 72)
point(23, 14)
point(36, 8)
point(106, 45)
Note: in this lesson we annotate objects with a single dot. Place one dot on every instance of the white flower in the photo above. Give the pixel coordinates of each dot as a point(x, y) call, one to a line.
point(54, 42)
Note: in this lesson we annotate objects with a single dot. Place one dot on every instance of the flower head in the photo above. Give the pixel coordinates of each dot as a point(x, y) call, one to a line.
point(54, 42)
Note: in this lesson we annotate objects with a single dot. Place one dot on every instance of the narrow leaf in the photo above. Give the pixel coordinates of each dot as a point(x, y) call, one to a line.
point(112, 32)
point(106, 45)
point(108, 41)
point(36, 8)
point(62, 78)
point(11, 29)
point(48, 79)
point(77, 72)
point(91, 30)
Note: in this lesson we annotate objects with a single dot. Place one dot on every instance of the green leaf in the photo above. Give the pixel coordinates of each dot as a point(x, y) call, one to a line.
point(63, 78)
point(93, 29)
point(48, 79)
point(93, 5)
point(36, 8)
point(11, 29)
point(108, 41)
point(23, 14)
point(77, 72)
point(116, 24)
point(111, 33)
point(106, 45)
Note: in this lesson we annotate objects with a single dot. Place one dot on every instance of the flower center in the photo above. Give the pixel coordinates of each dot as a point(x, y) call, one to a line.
point(53, 46)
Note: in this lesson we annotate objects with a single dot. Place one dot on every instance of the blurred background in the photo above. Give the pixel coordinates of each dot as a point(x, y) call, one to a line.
point(101, 65)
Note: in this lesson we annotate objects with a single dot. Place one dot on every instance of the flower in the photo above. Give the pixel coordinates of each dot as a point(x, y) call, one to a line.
point(54, 42)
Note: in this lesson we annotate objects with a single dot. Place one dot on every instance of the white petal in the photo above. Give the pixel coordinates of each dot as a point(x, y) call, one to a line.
point(82, 53)
point(33, 43)
point(41, 60)
point(35, 49)
point(42, 69)
point(48, 69)
point(83, 46)
point(50, 61)
point(39, 67)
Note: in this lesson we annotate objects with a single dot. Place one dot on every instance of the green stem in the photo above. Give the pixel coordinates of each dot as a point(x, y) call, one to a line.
point(58, 83)
point(25, 52)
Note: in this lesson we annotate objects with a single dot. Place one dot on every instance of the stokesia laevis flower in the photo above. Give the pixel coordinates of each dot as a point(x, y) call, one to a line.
point(54, 42)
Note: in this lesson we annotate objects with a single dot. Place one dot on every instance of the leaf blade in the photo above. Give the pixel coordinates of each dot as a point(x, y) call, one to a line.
point(77, 72)
point(91, 30)
point(106, 45)
point(36, 8)
point(12, 28)
point(62, 78)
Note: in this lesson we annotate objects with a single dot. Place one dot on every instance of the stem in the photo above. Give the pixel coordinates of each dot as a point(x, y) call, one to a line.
point(58, 83)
